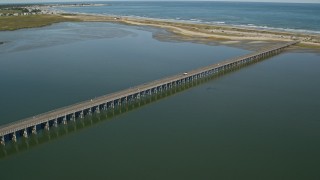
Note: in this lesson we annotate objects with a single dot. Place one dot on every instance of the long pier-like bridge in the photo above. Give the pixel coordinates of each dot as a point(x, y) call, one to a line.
point(25, 127)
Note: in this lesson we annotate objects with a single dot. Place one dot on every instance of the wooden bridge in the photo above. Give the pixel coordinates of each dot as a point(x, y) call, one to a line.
point(25, 127)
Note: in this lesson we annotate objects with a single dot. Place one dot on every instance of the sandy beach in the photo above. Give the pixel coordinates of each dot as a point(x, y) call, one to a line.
point(224, 34)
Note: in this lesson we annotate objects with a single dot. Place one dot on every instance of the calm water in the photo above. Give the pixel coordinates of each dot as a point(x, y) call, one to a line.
point(77, 62)
point(281, 16)
point(261, 122)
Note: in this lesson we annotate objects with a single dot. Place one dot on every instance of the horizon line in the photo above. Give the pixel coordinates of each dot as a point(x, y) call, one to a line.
point(95, 1)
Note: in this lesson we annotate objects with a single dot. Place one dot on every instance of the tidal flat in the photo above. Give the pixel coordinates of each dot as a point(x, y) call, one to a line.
point(224, 34)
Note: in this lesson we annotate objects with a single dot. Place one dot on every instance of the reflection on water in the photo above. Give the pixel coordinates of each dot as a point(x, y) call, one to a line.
point(261, 122)
point(47, 78)
point(57, 132)
point(44, 136)
point(54, 133)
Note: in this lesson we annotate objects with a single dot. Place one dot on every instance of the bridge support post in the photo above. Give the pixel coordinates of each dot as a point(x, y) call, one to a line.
point(2, 141)
point(81, 114)
point(25, 133)
point(217, 68)
point(55, 123)
point(34, 130)
point(46, 127)
point(98, 109)
point(14, 137)
point(73, 117)
point(64, 120)
point(112, 104)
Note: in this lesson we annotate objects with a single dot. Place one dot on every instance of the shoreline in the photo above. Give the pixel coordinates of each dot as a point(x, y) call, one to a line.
point(207, 32)
point(224, 34)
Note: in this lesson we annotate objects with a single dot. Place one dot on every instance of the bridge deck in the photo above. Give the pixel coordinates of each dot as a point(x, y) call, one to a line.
point(45, 117)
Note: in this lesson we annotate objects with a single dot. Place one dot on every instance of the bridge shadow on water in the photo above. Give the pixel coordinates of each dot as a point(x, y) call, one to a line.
point(45, 136)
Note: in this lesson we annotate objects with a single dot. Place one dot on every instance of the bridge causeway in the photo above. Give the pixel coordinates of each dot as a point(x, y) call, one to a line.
point(25, 127)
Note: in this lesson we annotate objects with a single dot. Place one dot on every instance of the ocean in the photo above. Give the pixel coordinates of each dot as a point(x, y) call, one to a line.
point(278, 16)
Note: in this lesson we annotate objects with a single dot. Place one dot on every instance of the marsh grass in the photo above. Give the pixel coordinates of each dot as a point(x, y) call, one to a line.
point(10, 23)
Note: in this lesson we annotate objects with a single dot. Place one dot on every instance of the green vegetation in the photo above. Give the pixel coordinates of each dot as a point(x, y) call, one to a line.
point(13, 10)
point(10, 23)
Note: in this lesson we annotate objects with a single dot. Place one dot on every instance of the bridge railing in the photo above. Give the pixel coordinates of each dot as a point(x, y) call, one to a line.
point(136, 89)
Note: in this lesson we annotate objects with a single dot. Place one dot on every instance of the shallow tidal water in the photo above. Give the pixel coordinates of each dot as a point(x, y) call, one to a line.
point(260, 122)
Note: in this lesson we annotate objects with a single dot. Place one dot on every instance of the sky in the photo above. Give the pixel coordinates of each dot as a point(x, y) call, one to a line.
point(39, 1)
